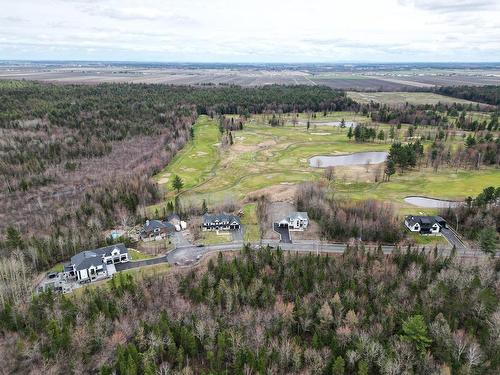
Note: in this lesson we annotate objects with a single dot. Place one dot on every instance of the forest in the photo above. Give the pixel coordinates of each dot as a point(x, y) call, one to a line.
point(267, 312)
point(482, 94)
point(77, 159)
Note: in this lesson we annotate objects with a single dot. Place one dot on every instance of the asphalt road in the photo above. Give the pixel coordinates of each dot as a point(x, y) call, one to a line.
point(188, 255)
point(453, 239)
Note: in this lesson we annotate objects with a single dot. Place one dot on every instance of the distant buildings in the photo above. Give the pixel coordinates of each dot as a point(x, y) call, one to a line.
point(220, 222)
point(91, 265)
point(425, 224)
point(295, 221)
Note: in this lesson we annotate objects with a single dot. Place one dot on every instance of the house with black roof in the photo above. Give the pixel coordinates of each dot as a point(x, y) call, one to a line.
point(156, 230)
point(425, 224)
point(221, 222)
point(91, 265)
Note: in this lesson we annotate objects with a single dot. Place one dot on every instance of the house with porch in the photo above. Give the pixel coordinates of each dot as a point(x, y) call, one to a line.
point(295, 221)
point(92, 265)
point(425, 225)
point(223, 222)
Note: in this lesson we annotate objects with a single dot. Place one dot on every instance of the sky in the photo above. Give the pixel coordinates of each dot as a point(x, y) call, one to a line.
point(326, 31)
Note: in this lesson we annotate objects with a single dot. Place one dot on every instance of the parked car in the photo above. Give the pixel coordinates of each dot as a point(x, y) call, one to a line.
point(200, 245)
point(52, 275)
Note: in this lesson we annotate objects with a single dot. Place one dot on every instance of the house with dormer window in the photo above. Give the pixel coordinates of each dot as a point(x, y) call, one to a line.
point(221, 222)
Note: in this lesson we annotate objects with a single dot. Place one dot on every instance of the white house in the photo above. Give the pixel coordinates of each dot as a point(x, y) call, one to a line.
point(295, 221)
point(91, 265)
point(425, 224)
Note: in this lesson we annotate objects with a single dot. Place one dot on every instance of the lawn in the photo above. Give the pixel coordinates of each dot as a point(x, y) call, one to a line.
point(196, 160)
point(211, 238)
point(137, 255)
point(427, 240)
point(249, 221)
point(263, 156)
point(400, 98)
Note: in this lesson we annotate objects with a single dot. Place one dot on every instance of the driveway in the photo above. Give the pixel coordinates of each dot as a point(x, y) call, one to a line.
point(179, 240)
point(141, 263)
point(453, 239)
point(283, 232)
point(237, 235)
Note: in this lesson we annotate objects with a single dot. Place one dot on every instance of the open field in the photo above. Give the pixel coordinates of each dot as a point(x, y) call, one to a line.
point(400, 98)
point(372, 77)
point(273, 160)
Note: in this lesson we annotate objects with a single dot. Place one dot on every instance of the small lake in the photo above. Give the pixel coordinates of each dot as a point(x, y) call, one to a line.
point(426, 202)
point(348, 124)
point(358, 158)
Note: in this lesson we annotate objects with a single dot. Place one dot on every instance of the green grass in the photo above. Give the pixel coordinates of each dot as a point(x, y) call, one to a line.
point(59, 267)
point(212, 238)
point(137, 255)
point(428, 240)
point(445, 184)
point(264, 156)
point(249, 221)
point(398, 98)
point(195, 162)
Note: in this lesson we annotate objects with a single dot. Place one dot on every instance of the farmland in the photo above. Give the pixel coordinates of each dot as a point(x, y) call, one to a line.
point(401, 98)
point(273, 160)
point(370, 77)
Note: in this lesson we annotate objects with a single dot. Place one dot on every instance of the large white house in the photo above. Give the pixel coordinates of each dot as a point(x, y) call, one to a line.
point(91, 265)
point(425, 224)
point(295, 221)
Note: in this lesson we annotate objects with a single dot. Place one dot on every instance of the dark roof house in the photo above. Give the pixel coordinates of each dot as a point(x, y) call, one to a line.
point(425, 224)
point(221, 222)
point(156, 228)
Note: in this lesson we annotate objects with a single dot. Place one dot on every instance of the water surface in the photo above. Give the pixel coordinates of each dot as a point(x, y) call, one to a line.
point(358, 158)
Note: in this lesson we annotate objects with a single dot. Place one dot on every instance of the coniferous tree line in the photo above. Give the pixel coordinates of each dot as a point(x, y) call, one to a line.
point(269, 312)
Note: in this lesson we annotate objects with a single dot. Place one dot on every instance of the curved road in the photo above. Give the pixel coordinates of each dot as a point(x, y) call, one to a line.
point(188, 255)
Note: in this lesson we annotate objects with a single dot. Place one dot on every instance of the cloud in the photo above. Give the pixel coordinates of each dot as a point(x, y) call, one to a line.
point(452, 6)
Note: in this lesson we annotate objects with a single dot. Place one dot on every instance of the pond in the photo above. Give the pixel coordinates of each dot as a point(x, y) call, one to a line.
point(348, 124)
point(358, 158)
point(426, 202)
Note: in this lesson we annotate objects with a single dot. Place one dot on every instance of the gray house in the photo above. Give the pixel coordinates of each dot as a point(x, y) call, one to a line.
point(91, 265)
point(156, 230)
point(220, 222)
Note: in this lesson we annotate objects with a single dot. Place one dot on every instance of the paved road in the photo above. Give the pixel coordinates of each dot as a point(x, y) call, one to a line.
point(187, 255)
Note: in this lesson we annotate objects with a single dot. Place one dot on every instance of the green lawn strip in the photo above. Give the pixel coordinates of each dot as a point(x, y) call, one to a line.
point(196, 160)
point(427, 240)
point(250, 223)
point(212, 238)
point(137, 255)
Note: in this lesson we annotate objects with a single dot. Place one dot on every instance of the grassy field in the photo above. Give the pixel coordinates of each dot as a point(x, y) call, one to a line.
point(195, 162)
point(137, 255)
point(249, 221)
point(211, 238)
point(267, 159)
point(395, 98)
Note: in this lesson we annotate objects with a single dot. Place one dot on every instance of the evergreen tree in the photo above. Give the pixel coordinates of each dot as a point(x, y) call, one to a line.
point(177, 183)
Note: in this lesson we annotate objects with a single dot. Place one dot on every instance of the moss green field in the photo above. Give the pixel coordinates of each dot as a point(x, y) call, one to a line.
point(263, 158)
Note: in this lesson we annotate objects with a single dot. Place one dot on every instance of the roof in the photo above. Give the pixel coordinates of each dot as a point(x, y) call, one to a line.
point(85, 259)
point(207, 218)
point(424, 220)
point(298, 215)
point(151, 225)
